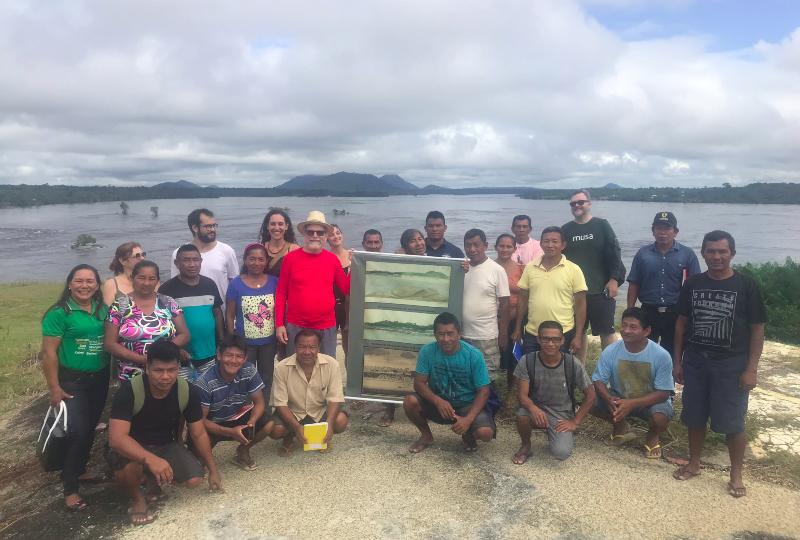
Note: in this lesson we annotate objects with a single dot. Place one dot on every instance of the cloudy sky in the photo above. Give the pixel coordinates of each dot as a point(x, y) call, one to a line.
point(461, 92)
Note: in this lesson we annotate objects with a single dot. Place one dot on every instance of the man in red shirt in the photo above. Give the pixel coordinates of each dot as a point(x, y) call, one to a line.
point(304, 297)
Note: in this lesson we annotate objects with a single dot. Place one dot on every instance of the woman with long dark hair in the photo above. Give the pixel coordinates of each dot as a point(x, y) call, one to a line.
point(140, 318)
point(76, 369)
point(125, 258)
point(250, 312)
point(336, 243)
point(277, 236)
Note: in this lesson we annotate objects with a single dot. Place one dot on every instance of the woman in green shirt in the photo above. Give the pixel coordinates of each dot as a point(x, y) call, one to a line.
point(76, 369)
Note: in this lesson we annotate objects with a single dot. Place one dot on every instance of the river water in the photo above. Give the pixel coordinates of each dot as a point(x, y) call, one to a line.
point(35, 242)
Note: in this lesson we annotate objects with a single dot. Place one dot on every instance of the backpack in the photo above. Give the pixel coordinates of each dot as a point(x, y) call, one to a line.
point(568, 361)
point(137, 385)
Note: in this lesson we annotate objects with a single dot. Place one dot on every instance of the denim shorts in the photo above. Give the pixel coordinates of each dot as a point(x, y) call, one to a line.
point(711, 391)
point(663, 407)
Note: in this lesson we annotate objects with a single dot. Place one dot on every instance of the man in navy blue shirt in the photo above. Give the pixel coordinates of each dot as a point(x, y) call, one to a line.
point(657, 273)
point(233, 403)
point(435, 244)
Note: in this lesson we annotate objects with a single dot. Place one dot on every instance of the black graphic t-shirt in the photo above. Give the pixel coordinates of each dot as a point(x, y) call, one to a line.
point(720, 312)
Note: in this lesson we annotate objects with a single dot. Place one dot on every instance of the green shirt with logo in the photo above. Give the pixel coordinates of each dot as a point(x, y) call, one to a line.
point(81, 334)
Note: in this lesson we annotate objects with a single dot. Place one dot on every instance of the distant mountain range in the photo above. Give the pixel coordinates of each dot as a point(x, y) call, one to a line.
point(346, 184)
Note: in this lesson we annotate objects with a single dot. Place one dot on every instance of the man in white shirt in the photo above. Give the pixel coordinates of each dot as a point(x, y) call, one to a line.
point(528, 249)
point(218, 259)
point(486, 301)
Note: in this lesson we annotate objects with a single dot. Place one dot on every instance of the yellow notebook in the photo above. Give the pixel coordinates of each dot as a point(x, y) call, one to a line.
point(315, 434)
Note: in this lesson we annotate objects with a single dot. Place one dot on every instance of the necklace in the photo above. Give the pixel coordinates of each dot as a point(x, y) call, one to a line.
point(271, 252)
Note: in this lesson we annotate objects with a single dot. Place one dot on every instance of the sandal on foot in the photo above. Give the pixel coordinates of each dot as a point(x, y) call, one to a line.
point(520, 458)
point(619, 440)
point(141, 518)
point(386, 421)
point(684, 473)
point(78, 506)
point(735, 492)
point(652, 452)
point(286, 451)
point(244, 465)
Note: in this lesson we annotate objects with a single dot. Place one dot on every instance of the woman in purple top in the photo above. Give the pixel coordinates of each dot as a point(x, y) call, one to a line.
point(250, 311)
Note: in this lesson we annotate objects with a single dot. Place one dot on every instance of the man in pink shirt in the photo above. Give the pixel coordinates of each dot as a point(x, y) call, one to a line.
point(528, 249)
point(304, 297)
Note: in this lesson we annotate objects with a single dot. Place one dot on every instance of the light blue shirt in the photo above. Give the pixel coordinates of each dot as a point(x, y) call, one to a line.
point(633, 375)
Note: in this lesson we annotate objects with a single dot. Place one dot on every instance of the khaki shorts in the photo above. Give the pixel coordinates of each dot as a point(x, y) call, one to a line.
point(490, 350)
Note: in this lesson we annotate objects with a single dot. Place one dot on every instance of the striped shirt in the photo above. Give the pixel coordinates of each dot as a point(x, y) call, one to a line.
point(225, 399)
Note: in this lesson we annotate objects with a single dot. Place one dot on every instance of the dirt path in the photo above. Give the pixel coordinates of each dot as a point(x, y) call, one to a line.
point(369, 486)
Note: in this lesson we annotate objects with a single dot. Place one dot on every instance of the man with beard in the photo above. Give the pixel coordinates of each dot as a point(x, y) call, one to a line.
point(304, 298)
point(219, 259)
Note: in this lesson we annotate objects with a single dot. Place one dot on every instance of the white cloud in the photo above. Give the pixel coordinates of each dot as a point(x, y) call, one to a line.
point(459, 92)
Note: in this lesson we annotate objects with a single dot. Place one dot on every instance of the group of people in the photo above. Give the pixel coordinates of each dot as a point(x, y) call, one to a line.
point(197, 352)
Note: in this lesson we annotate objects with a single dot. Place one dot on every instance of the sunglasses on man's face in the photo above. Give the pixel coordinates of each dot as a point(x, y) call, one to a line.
point(573, 204)
point(314, 232)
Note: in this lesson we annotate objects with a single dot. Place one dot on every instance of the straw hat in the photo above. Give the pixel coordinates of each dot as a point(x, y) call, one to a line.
point(315, 217)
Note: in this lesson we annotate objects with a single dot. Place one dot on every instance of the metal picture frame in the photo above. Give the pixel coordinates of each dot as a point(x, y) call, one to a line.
point(393, 301)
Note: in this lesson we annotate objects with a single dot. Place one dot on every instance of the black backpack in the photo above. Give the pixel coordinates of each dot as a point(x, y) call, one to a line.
point(568, 361)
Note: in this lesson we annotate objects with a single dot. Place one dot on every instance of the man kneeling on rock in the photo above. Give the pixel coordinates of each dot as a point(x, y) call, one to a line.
point(451, 386)
point(634, 378)
point(547, 382)
point(143, 446)
point(233, 402)
point(307, 389)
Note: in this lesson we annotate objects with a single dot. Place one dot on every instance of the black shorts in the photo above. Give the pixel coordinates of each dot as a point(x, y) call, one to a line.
point(185, 465)
point(600, 313)
point(430, 412)
point(711, 391)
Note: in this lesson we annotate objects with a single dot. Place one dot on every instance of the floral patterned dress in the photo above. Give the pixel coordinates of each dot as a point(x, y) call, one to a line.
point(137, 330)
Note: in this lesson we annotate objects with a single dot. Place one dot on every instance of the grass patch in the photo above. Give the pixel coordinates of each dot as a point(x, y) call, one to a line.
point(21, 308)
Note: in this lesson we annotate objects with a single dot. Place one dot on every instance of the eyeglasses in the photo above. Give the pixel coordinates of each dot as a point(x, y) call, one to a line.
point(315, 232)
point(573, 204)
point(549, 339)
point(140, 255)
point(209, 227)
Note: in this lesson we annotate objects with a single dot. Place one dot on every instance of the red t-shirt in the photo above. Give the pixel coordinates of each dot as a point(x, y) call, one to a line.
point(305, 287)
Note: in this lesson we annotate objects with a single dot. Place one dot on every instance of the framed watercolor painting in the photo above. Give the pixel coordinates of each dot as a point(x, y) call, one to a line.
point(393, 302)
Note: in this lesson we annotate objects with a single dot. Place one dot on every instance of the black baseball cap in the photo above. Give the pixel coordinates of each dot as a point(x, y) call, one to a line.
point(665, 218)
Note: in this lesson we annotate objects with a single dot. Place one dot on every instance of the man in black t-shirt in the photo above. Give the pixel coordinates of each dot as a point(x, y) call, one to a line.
point(719, 336)
point(143, 445)
point(592, 245)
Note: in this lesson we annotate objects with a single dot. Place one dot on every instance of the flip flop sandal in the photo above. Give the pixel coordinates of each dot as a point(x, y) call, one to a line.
point(521, 458)
point(141, 518)
point(244, 465)
point(79, 506)
point(619, 440)
point(652, 452)
point(683, 473)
